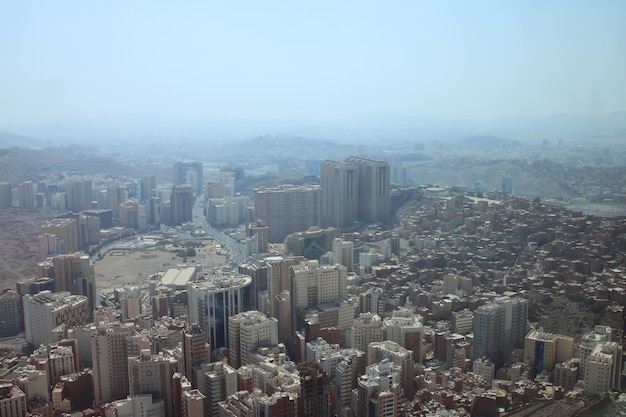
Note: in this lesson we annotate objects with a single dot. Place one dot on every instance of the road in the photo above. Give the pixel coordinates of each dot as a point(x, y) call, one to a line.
point(234, 248)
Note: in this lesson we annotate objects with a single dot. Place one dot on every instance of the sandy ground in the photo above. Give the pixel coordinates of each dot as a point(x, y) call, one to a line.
point(124, 267)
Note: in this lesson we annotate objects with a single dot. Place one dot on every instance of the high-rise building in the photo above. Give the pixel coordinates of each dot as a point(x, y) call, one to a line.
point(507, 185)
point(66, 231)
point(314, 391)
point(340, 193)
point(600, 334)
point(379, 390)
point(196, 351)
point(10, 312)
point(12, 401)
point(129, 214)
point(147, 188)
point(188, 173)
point(278, 279)
point(45, 311)
point(220, 381)
point(343, 253)
point(74, 273)
point(78, 195)
point(181, 202)
point(406, 328)
point(26, 195)
point(114, 196)
point(367, 328)
point(6, 200)
point(247, 331)
point(499, 327)
point(111, 345)
point(213, 299)
point(355, 190)
point(287, 209)
point(603, 368)
point(378, 351)
point(193, 403)
point(152, 374)
point(374, 188)
point(544, 350)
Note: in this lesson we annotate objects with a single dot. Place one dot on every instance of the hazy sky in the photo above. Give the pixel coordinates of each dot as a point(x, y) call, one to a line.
point(311, 60)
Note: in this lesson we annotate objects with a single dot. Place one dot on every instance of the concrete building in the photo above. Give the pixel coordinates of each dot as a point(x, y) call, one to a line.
point(181, 202)
point(12, 401)
point(406, 328)
point(152, 374)
point(567, 374)
point(196, 352)
point(378, 351)
point(600, 334)
point(603, 368)
point(26, 195)
point(367, 328)
point(45, 311)
point(314, 391)
point(484, 368)
point(379, 390)
point(66, 231)
point(312, 243)
point(287, 209)
point(74, 273)
point(193, 403)
point(213, 300)
point(6, 199)
point(374, 188)
point(544, 350)
point(138, 406)
point(220, 382)
point(247, 331)
point(343, 253)
point(10, 313)
point(129, 214)
point(111, 345)
point(340, 193)
point(190, 173)
point(499, 327)
point(78, 195)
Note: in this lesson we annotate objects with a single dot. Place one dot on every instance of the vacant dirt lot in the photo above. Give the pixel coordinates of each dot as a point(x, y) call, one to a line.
point(124, 267)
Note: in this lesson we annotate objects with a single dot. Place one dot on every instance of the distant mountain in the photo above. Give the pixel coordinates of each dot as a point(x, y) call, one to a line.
point(9, 140)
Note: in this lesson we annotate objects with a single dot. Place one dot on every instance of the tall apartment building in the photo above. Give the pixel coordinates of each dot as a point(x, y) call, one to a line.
point(355, 190)
point(499, 327)
point(213, 299)
point(196, 351)
point(367, 328)
point(378, 351)
point(112, 198)
point(192, 403)
point(129, 214)
point(314, 391)
point(152, 374)
point(66, 231)
point(603, 368)
point(189, 173)
point(287, 209)
point(313, 285)
point(147, 188)
point(248, 331)
point(343, 253)
point(220, 382)
point(278, 279)
point(74, 273)
point(600, 334)
point(6, 200)
point(111, 346)
point(12, 401)
point(45, 311)
point(78, 195)
point(26, 195)
point(181, 201)
point(11, 313)
point(379, 390)
point(406, 328)
point(543, 350)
